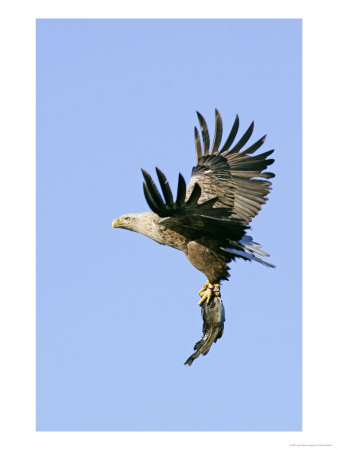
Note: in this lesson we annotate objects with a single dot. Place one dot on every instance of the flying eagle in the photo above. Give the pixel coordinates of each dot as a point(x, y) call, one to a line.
point(209, 218)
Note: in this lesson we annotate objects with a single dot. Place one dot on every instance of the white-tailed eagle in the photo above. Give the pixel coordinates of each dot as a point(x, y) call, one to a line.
point(209, 218)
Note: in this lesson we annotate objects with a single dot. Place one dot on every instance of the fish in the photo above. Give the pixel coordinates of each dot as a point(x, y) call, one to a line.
point(213, 316)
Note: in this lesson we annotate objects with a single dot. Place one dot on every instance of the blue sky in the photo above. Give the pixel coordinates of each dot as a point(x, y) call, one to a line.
point(117, 314)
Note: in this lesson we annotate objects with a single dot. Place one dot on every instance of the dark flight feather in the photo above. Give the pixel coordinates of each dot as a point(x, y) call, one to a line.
point(152, 190)
point(197, 144)
point(181, 191)
point(244, 139)
point(231, 136)
point(218, 133)
point(168, 196)
point(194, 196)
point(205, 133)
point(255, 146)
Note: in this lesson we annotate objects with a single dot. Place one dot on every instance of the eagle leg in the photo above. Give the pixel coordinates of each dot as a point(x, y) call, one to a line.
point(208, 292)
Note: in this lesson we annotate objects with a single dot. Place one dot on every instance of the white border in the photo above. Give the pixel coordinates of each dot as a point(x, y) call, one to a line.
point(17, 183)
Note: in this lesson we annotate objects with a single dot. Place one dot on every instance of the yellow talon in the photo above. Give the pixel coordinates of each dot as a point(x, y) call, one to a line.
point(201, 291)
point(207, 294)
point(208, 291)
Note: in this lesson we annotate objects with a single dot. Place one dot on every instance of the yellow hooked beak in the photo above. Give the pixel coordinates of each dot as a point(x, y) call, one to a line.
point(116, 223)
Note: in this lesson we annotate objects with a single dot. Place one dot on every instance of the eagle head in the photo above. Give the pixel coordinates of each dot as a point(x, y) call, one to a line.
point(144, 223)
point(127, 221)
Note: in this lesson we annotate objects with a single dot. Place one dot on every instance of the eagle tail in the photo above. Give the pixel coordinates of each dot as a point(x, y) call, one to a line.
point(249, 250)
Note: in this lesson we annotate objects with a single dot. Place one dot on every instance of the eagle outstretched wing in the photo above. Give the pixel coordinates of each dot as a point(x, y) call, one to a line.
point(223, 194)
point(230, 175)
